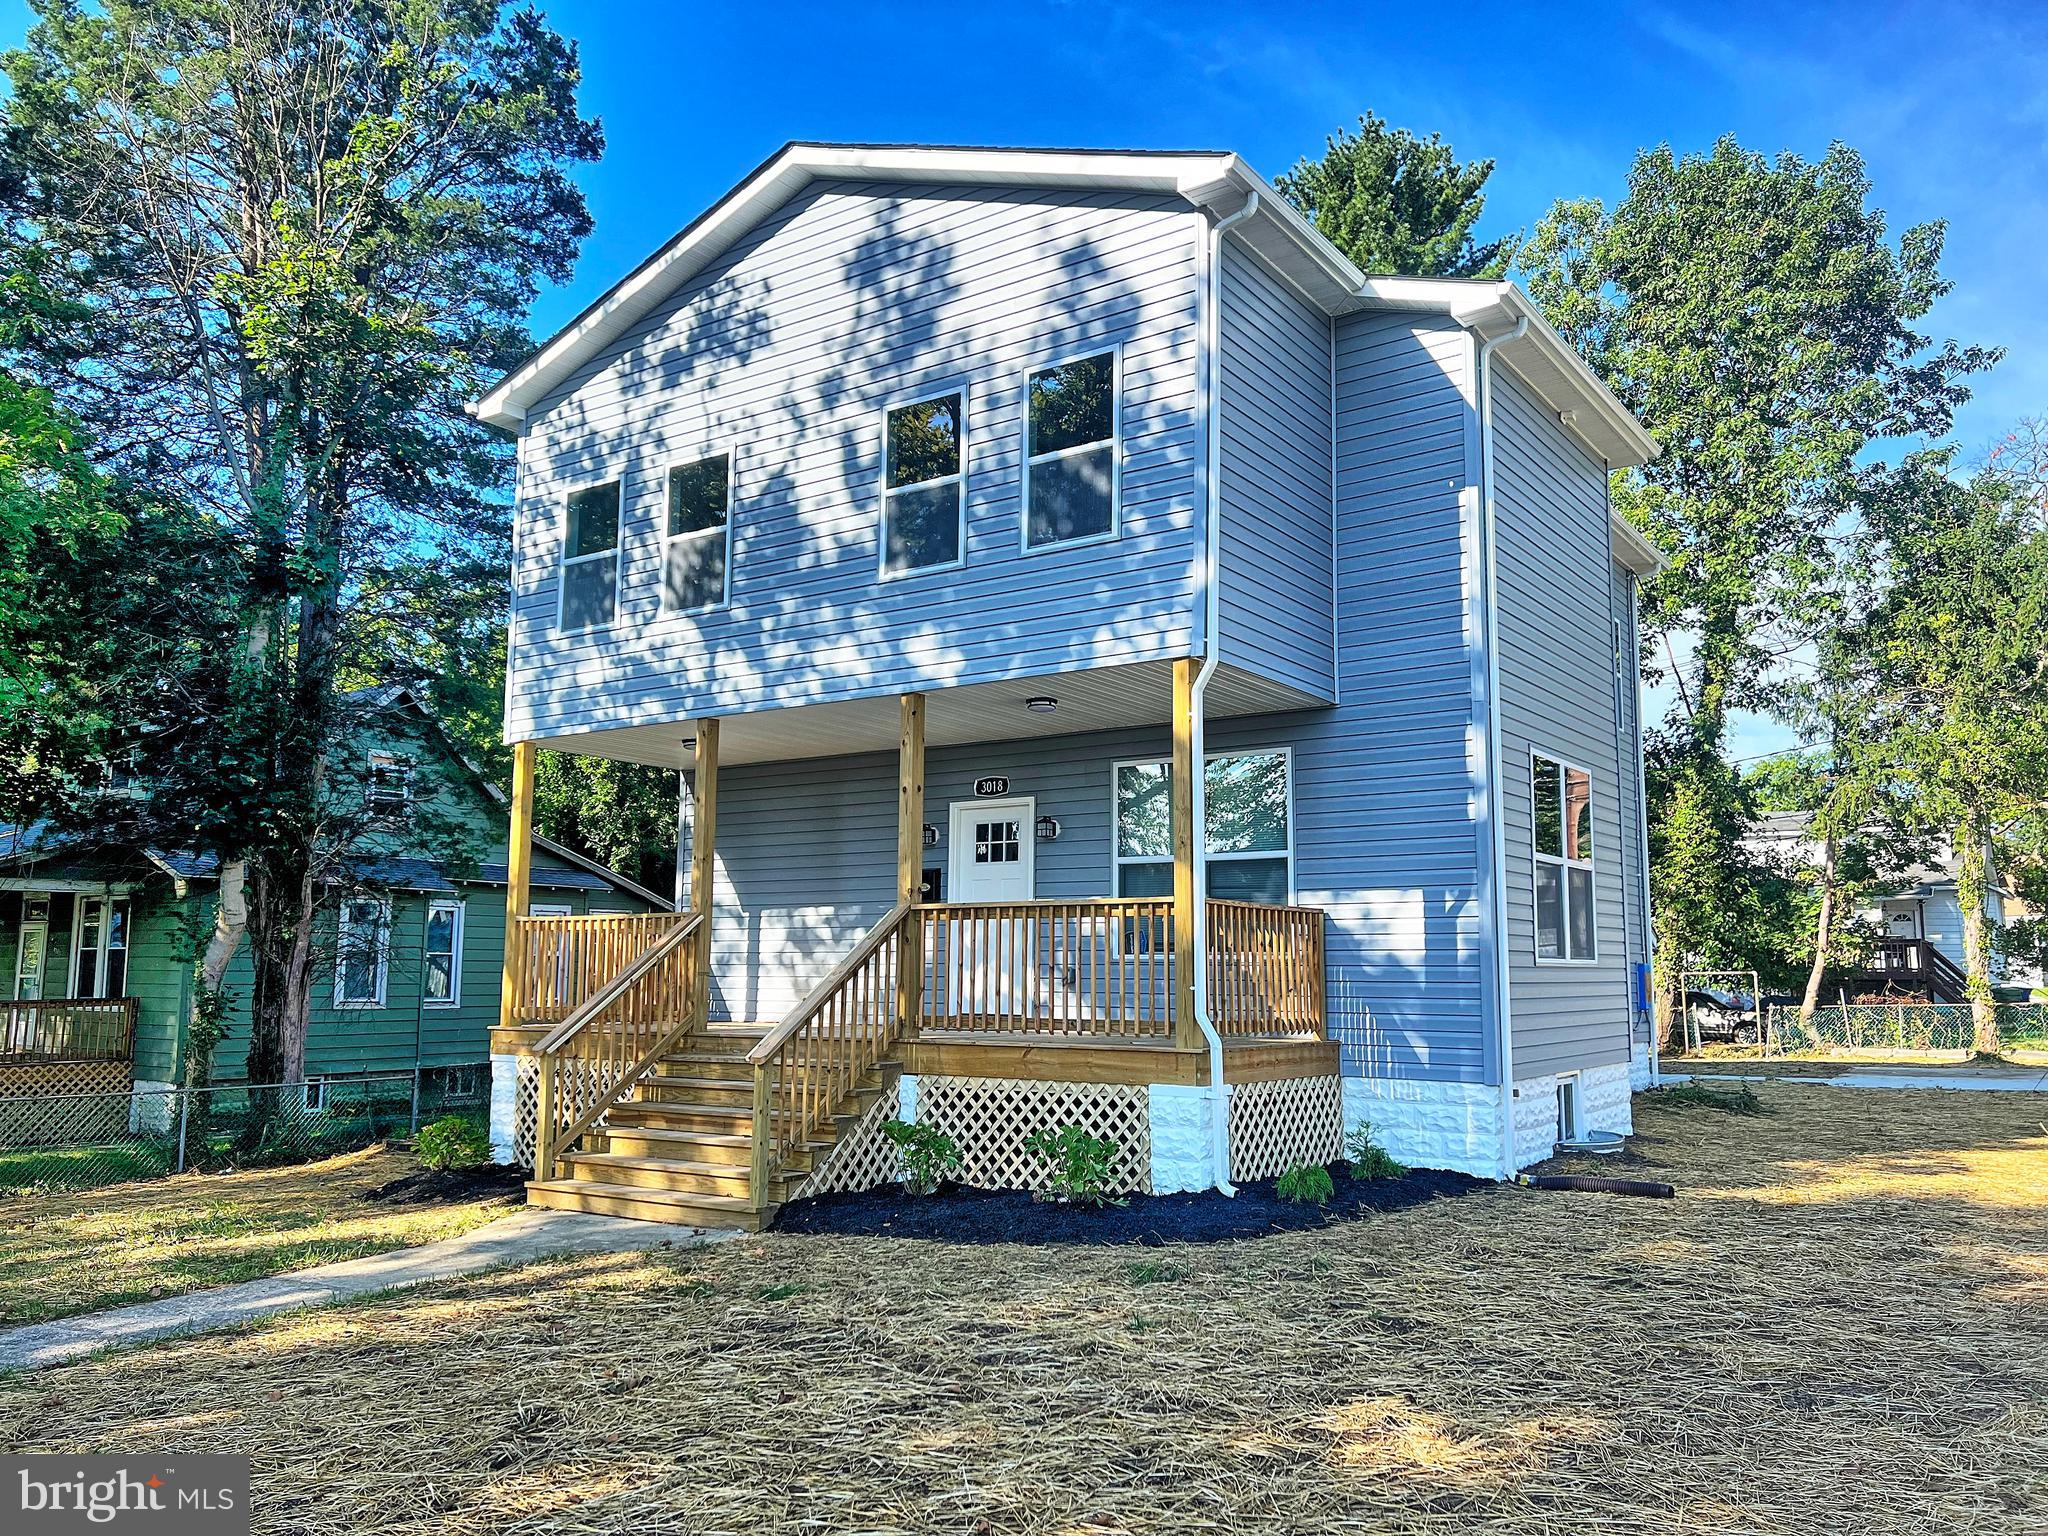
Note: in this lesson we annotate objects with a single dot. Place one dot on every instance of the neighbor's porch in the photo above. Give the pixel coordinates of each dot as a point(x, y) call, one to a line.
point(67, 1024)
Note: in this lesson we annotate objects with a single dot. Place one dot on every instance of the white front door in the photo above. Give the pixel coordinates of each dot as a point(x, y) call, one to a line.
point(34, 953)
point(992, 854)
point(991, 859)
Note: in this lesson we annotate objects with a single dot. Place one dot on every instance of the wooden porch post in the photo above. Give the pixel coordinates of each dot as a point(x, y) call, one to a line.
point(518, 880)
point(910, 859)
point(1186, 1033)
point(703, 864)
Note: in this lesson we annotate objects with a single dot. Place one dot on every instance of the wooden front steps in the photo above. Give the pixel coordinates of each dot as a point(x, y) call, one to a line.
point(680, 1149)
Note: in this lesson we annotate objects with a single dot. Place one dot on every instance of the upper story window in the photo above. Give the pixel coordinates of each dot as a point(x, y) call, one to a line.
point(1071, 451)
point(695, 550)
point(924, 483)
point(387, 784)
point(1562, 798)
point(590, 557)
point(1249, 843)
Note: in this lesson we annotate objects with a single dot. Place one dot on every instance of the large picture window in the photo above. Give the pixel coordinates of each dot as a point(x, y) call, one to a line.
point(1249, 840)
point(1070, 451)
point(590, 557)
point(924, 483)
point(1562, 800)
point(362, 952)
point(697, 546)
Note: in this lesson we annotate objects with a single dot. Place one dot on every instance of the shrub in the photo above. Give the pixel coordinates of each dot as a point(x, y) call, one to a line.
point(1739, 1100)
point(1366, 1157)
point(454, 1141)
point(1306, 1184)
point(1083, 1166)
point(929, 1154)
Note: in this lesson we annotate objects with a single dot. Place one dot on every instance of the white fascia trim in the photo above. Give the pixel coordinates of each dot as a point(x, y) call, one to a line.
point(572, 857)
point(1491, 308)
point(1637, 554)
point(781, 178)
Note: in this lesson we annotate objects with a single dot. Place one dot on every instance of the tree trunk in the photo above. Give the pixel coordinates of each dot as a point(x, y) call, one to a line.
point(1973, 888)
point(1823, 935)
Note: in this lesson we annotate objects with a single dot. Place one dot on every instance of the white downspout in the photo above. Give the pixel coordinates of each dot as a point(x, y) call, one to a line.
point(1491, 609)
point(1212, 654)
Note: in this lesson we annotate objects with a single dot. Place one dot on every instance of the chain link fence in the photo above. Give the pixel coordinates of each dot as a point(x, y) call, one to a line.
point(1903, 1026)
point(83, 1140)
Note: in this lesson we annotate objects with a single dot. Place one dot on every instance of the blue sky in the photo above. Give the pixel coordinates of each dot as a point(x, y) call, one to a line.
point(1949, 104)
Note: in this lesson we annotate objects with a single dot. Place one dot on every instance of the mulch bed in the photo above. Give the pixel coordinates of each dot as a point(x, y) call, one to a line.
point(958, 1214)
point(436, 1186)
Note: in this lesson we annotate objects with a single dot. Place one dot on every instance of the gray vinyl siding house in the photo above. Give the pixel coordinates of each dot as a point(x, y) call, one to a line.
point(1407, 648)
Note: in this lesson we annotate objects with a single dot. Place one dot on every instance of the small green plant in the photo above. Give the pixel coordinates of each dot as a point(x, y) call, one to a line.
point(1739, 1100)
point(1306, 1184)
point(454, 1141)
point(1366, 1157)
point(929, 1154)
point(1083, 1166)
point(1154, 1272)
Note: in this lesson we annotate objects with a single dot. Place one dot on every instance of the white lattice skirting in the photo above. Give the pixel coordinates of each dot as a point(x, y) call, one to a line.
point(515, 1104)
point(1283, 1124)
point(47, 1103)
point(992, 1117)
point(863, 1158)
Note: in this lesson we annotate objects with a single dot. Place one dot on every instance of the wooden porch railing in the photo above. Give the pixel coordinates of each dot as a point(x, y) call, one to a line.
point(67, 1029)
point(1265, 969)
point(560, 963)
point(1097, 967)
point(805, 1067)
point(592, 1059)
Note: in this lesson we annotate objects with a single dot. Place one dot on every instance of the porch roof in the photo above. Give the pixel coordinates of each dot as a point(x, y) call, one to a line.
point(1098, 699)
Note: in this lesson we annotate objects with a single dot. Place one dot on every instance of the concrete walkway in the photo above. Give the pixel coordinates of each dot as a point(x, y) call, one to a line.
point(529, 1233)
point(1961, 1079)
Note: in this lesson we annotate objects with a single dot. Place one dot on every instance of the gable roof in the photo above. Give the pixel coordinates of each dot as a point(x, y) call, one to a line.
point(1214, 181)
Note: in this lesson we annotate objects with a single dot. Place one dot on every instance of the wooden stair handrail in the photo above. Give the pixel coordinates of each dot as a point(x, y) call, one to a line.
point(773, 1042)
point(611, 991)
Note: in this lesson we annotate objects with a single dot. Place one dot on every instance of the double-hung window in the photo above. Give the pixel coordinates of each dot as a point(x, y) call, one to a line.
point(1249, 836)
point(100, 965)
point(697, 545)
point(387, 784)
point(1562, 799)
point(442, 981)
point(590, 557)
point(924, 483)
point(362, 952)
point(1071, 451)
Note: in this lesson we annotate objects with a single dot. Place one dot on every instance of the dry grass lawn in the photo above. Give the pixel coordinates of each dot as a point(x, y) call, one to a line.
point(66, 1253)
point(1841, 1325)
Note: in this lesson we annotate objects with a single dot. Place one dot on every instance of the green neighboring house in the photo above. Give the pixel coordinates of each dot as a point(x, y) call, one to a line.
point(96, 949)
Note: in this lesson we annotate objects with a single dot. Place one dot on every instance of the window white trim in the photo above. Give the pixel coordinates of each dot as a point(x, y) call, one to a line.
point(102, 946)
point(1571, 1109)
point(392, 795)
point(615, 554)
point(1115, 350)
point(959, 477)
point(1537, 858)
point(315, 1092)
point(1118, 859)
point(732, 462)
point(458, 907)
point(342, 935)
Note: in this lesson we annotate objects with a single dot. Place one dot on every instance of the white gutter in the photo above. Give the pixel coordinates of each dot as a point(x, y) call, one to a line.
point(1212, 655)
point(1490, 606)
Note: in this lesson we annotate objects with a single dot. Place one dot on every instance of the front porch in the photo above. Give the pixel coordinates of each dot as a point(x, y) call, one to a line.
point(995, 1017)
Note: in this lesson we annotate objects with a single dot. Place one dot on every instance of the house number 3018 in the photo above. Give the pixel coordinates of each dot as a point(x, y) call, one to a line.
point(995, 784)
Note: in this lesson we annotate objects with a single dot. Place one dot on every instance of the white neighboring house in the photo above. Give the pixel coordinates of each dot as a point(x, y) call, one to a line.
point(1922, 950)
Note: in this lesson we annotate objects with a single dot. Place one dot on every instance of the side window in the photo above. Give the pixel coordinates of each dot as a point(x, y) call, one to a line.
point(1561, 800)
point(1248, 841)
point(1071, 451)
point(387, 784)
point(924, 452)
point(697, 546)
point(442, 981)
point(362, 952)
point(590, 557)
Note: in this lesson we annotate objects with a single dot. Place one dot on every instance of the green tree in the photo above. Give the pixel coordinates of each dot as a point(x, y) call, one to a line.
point(1960, 626)
point(1755, 316)
point(303, 236)
point(621, 814)
point(1395, 203)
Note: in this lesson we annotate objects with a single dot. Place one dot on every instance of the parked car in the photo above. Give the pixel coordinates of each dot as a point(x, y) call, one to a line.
point(1723, 1014)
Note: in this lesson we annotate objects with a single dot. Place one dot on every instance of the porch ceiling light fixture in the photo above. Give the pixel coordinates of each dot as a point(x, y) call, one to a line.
point(1041, 703)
